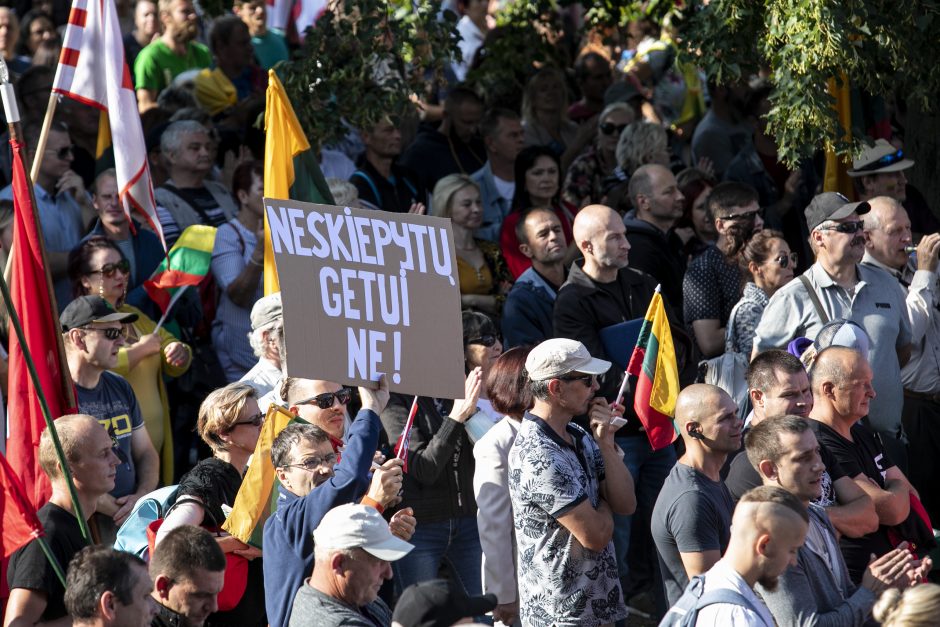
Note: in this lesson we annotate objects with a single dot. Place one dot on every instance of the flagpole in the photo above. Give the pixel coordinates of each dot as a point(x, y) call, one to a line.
point(13, 119)
point(169, 306)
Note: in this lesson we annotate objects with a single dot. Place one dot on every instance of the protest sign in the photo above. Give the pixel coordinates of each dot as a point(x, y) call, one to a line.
point(368, 292)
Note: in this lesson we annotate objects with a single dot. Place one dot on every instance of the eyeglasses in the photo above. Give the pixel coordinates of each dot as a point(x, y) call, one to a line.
point(587, 379)
point(65, 152)
point(845, 227)
point(608, 128)
point(325, 400)
point(123, 266)
point(111, 333)
point(255, 421)
point(312, 463)
point(884, 161)
point(483, 340)
point(747, 215)
point(785, 261)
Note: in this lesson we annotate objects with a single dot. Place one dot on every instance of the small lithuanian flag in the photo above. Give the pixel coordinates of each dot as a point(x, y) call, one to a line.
point(189, 262)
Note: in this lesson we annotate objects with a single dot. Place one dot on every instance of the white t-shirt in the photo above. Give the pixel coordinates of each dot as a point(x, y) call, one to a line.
point(722, 575)
point(506, 189)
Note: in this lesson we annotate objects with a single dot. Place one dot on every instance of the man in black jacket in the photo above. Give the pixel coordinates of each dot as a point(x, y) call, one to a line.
point(602, 291)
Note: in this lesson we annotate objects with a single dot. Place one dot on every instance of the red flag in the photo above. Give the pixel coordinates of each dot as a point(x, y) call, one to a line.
point(17, 517)
point(401, 446)
point(41, 329)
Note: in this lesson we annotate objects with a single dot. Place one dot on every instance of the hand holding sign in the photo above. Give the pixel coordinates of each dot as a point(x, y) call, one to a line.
point(376, 399)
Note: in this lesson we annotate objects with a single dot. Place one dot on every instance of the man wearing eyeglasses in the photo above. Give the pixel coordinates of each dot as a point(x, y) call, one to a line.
point(312, 483)
point(565, 486)
point(62, 204)
point(93, 334)
point(836, 286)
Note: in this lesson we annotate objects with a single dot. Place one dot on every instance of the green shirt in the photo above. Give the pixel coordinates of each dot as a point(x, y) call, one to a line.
point(269, 49)
point(156, 65)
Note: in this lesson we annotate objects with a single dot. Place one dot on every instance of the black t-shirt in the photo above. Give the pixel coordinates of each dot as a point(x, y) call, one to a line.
point(396, 193)
point(742, 476)
point(862, 455)
point(29, 567)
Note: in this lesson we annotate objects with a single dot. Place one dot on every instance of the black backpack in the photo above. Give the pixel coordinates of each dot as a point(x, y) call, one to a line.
point(685, 612)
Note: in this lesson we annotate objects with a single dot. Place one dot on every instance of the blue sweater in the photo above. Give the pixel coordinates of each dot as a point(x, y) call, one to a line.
point(288, 533)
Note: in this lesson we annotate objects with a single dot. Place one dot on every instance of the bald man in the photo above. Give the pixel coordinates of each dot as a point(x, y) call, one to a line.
point(842, 390)
point(769, 526)
point(602, 291)
point(692, 516)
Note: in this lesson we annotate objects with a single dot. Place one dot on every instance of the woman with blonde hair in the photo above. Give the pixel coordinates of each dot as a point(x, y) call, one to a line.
point(641, 143)
point(915, 607)
point(481, 269)
point(545, 117)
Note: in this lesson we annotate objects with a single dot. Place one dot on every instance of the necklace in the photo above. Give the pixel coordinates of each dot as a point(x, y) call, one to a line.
point(453, 153)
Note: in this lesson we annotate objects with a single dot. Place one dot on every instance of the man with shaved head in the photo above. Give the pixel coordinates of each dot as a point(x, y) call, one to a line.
point(842, 390)
point(692, 516)
point(769, 526)
point(602, 291)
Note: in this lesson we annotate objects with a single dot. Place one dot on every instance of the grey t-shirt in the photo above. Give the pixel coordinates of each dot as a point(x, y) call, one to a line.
point(313, 608)
point(692, 515)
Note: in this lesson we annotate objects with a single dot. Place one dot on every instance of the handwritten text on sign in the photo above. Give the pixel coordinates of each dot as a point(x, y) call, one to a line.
point(369, 292)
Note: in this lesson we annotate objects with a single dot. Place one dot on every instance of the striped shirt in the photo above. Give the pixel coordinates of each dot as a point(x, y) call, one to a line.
point(234, 245)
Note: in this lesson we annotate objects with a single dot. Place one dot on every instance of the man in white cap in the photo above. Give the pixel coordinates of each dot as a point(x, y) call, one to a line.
point(266, 339)
point(879, 171)
point(565, 487)
point(353, 548)
point(839, 286)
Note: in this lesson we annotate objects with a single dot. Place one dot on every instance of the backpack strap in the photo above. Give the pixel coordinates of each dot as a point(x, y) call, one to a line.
point(814, 297)
point(725, 595)
point(368, 179)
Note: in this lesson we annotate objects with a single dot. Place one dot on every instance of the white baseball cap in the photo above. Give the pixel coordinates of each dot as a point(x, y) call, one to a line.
point(354, 526)
point(559, 356)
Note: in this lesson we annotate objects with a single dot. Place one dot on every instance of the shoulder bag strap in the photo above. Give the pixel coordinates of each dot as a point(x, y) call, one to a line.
point(814, 297)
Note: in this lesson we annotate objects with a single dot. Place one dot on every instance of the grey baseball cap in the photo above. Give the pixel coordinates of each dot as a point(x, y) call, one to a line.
point(832, 206)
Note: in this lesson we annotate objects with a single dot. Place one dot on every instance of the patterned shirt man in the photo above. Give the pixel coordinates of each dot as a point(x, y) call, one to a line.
point(560, 581)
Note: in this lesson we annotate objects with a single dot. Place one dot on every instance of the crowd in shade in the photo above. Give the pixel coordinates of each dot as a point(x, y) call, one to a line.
point(800, 324)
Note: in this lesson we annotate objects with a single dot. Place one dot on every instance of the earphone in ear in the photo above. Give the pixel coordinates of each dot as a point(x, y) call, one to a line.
point(696, 435)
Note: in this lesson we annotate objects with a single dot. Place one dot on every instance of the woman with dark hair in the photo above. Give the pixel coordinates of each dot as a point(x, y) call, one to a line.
point(694, 227)
point(439, 483)
point(538, 183)
point(237, 265)
point(509, 394)
point(35, 28)
point(767, 262)
point(98, 268)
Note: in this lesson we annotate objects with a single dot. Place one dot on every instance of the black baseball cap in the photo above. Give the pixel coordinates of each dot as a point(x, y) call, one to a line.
point(438, 603)
point(832, 206)
point(87, 309)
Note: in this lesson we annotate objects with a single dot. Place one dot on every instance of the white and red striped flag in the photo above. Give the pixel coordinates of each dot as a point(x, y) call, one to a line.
point(92, 70)
point(278, 13)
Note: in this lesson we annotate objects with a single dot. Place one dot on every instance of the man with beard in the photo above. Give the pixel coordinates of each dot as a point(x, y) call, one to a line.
point(692, 515)
point(173, 53)
point(839, 286)
point(527, 312)
point(312, 483)
point(816, 589)
point(769, 525)
point(382, 181)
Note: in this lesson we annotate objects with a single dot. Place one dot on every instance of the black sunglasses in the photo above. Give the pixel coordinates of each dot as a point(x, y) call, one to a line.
point(785, 261)
point(845, 227)
point(255, 421)
point(483, 340)
point(587, 379)
point(108, 269)
point(111, 333)
point(747, 215)
point(325, 400)
point(608, 128)
point(64, 152)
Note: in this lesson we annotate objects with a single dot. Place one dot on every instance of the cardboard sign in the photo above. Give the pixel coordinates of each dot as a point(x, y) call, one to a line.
point(369, 292)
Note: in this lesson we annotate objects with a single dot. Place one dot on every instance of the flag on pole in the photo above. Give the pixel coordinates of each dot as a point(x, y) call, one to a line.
point(402, 445)
point(187, 264)
point(18, 521)
point(254, 501)
point(836, 178)
point(654, 363)
point(291, 170)
point(42, 331)
point(92, 70)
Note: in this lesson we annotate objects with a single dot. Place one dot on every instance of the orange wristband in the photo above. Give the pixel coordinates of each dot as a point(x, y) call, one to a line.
point(371, 502)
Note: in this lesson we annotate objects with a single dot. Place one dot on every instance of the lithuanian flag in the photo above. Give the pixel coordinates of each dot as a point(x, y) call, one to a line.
point(189, 262)
point(654, 363)
point(291, 168)
point(256, 498)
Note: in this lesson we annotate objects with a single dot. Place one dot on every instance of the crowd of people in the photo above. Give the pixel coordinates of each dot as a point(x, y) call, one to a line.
point(805, 324)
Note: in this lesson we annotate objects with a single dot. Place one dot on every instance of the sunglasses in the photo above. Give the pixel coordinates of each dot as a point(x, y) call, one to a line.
point(254, 421)
point(748, 215)
point(65, 152)
point(587, 379)
point(608, 128)
point(845, 227)
point(785, 261)
point(109, 269)
point(483, 340)
point(312, 463)
point(325, 400)
point(110, 333)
